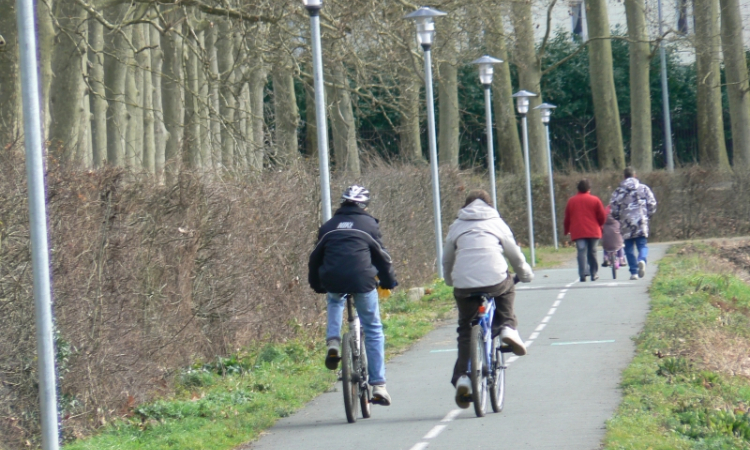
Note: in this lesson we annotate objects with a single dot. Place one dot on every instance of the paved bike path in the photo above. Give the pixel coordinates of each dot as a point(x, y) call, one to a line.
point(558, 396)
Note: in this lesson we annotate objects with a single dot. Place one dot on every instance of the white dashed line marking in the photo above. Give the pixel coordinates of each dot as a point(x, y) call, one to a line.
point(556, 304)
point(551, 311)
point(451, 415)
point(420, 446)
point(533, 336)
point(540, 327)
point(546, 319)
point(437, 429)
point(560, 296)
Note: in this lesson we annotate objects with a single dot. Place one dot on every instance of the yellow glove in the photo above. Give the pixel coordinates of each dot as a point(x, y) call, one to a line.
point(383, 293)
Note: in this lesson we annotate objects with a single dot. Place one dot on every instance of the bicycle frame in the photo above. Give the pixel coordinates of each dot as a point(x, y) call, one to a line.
point(353, 319)
point(484, 319)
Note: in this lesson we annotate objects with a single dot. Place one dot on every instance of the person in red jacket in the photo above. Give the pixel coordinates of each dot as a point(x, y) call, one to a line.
point(584, 217)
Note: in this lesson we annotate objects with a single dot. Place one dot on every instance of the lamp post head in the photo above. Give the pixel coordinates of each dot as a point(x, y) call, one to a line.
point(485, 64)
point(522, 101)
point(424, 17)
point(546, 109)
point(313, 6)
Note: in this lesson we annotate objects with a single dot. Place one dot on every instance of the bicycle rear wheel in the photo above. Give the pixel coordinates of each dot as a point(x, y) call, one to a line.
point(478, 378)
point(364, 390)
point(349, 378)
point(497, 385)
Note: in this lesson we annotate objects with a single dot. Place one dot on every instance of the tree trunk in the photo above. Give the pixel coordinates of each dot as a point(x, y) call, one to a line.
point(735, 67)
point(246, 125)
point(343, 127)
point(509, 151)
point(98, 95)
point(606, 111)
point(10, 88)
point(149, 138)
point(46, 48)
point(258, 81)
point(712, 149)
point(172, 97)
point(449, 118)
point(311, 122)
point(204, 107)
point(160, 130)
point(285, 113)
point(192, 147)
point(67, 88)
point(225, 44)
point(410, 138)
point(529, 78)
point(134, 152)
point(84, 155)
point(641, 157)
point(240, 72)
point(214, 143)
point(117, 49)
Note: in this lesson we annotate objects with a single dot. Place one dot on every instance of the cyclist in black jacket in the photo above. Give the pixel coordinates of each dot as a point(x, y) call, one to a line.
point(346, 260)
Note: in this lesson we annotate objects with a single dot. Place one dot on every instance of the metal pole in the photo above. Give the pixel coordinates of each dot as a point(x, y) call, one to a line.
point(665, 99)
point(528, 187)
point(551, 186)
point(490, 144)
point(320, 114)
point(433, 157)
point(38, 223)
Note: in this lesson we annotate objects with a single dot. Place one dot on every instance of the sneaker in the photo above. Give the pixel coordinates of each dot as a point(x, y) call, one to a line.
point(463, 392)
point(634, 276)
point(333, 356)
point(380, 395)
point(511, 337)
point(641, 269)
point(594, 277)
point(583, 278)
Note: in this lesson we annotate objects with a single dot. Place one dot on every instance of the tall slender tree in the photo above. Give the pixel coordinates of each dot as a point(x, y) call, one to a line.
point(640, 90)
point(447, 82)
point(738, 89)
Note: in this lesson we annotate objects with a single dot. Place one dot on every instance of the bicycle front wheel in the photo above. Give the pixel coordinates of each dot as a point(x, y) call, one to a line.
point(497, 386)
point(349, 378)
point(478, 379)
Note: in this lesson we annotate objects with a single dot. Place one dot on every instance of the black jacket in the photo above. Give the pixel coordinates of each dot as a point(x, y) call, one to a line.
point(349, 255)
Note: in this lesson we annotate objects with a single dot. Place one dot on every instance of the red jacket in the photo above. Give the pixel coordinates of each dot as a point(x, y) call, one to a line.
point(584, 216)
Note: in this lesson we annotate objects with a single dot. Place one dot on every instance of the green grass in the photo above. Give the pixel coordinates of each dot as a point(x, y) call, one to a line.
point(223, 403)
point(671, 401)
point(548, 257)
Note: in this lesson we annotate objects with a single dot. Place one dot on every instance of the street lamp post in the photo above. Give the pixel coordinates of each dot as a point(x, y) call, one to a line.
point(522, 105)
point(546, 110)
point(485, 64)
point(313, 8)
point(424, 18)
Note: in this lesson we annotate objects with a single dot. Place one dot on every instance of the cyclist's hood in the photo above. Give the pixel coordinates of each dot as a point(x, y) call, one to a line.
point(478, 210)
point(630, 184)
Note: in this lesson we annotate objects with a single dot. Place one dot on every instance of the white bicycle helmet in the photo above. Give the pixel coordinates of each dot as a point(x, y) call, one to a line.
point(356, 194)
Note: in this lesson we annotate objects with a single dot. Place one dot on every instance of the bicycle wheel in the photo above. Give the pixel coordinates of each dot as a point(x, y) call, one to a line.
point(497, 384)
point(349, 378)
point(478, 379)
point(364, 390)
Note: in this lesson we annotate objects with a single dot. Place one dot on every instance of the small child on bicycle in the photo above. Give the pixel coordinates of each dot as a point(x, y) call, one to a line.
point(474, 261)
point(612, 240)
point(348, 256)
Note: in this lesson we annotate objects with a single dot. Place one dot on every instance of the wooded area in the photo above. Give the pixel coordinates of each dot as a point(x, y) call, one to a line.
point(227, 86)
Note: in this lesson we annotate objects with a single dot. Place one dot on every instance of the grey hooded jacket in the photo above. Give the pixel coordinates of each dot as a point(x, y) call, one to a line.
point(474, 249)
point(633, 204)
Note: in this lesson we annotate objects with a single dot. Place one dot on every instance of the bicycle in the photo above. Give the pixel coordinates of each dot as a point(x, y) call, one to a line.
point(354, 376)
point(487, 360)
point(614, 262)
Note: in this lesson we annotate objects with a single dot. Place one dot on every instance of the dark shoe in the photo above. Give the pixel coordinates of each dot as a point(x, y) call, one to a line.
point(605, 263)
point(583, 278)
point(594, 277)
point(333, 356)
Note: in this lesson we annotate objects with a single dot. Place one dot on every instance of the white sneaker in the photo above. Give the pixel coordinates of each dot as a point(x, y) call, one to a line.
point(463, 392)
point(641, 269)
point(511, 337)
point(634, 276)
point(380, 395)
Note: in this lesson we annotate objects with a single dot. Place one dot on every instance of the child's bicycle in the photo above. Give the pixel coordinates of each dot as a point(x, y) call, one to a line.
point(487, 359)
point(357, 393)
point(614, 261)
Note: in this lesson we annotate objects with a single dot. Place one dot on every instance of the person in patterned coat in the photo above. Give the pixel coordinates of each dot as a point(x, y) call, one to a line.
point(633, 204)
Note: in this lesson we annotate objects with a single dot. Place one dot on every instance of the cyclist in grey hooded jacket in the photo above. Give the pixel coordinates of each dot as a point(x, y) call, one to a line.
point(474, 261)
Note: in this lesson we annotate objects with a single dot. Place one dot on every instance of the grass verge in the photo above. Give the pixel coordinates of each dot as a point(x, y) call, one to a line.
point(549, 257)
point(687, 387)
point(223, 403)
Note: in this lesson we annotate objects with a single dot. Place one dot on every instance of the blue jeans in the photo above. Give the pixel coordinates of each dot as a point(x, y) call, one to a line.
point(639, 242)
point(369, 316)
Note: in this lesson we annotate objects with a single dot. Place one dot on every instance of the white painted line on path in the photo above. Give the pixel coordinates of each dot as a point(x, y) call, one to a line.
point(442, 350)
point(560, 296)
point(609, 341)
point(551, 311)
point(556, 304)
point(533, 336)
point(511, 359)
point(433, 433)
point(546, 319)
point(451, 415)
point(540, 327)
point(420, 446)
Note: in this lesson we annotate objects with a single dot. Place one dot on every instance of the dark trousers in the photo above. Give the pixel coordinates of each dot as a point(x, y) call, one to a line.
point(504, 294)
point(587, 253)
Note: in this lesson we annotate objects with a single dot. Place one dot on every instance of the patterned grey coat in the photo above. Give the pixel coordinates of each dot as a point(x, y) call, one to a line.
point(632, 205)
